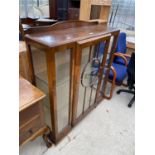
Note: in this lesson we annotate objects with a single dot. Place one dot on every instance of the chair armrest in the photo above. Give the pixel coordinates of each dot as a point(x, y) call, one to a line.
point(113, 70)
point(113, 83)
point(122, 56)
point(126, 55)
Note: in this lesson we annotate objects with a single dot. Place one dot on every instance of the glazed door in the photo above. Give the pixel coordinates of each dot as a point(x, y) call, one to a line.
point(89, 68)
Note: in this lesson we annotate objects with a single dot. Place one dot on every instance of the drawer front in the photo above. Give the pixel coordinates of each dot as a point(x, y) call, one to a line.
point(29, 128)
point(29, 113)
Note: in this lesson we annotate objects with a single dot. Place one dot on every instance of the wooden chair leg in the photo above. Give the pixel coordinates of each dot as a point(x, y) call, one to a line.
point(111, 91)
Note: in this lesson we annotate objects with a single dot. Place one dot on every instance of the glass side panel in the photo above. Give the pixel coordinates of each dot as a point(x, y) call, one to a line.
point(40, 71)
point(62, 61)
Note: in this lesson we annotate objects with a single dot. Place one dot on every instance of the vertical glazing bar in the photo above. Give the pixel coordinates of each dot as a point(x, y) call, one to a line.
point(91, 87)
point(102, 67)
point(90, 96)
point(71, 83)
point(84, 100)
point(78, 55)
point(50, 58)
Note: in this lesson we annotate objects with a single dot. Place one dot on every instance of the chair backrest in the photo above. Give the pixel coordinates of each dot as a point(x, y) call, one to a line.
point(121, 47)
point(121, 44)
point(101, 48)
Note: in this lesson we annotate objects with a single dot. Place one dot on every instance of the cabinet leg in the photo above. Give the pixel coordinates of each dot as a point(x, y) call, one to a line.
point(47, 138)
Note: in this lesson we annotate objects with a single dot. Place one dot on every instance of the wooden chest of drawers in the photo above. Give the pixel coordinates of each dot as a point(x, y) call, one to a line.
point(31, 121)
point(31, 115)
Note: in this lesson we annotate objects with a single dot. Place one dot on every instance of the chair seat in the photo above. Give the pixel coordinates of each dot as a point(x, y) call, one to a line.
point(119, 60)
point(121, 72)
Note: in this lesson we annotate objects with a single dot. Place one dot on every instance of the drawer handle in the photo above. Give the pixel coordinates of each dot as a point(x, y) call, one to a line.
point(30, 131)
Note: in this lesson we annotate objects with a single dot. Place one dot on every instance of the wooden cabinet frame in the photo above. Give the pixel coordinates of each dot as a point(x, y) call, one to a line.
point(80, 34)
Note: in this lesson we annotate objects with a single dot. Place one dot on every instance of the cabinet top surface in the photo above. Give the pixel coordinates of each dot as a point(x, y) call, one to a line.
point(28, 94)
point(60, 35)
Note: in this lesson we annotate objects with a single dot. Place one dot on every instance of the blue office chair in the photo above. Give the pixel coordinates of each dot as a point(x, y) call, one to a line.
point(120, 60)
point(118, 70)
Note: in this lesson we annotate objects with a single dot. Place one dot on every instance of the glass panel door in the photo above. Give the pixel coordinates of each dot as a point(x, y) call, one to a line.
point(90, 64)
